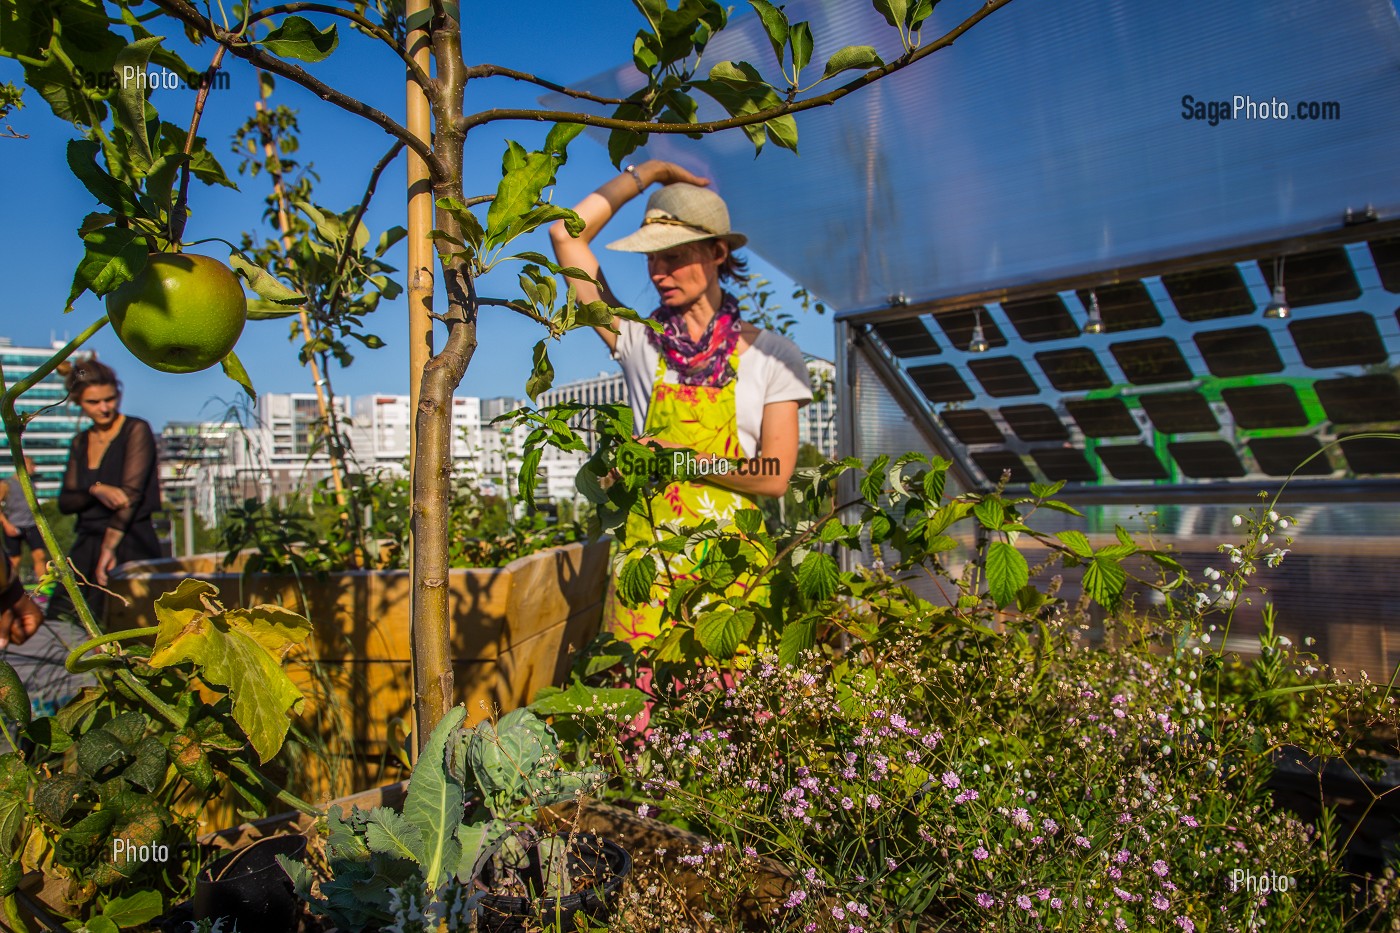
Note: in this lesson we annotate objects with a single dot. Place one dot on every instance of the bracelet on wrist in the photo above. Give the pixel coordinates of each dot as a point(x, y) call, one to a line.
point(636, 176)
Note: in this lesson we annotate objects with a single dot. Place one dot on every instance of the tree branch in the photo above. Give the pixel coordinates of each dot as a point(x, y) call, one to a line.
point(498, 71)
point(251, 53)
point(379, 168)
point(420, 76)
point(180, 214)
point(515, 306)
point(760, 116)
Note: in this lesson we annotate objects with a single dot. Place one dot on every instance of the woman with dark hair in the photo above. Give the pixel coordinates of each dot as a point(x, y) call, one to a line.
point(111, 484)
point(705, 380)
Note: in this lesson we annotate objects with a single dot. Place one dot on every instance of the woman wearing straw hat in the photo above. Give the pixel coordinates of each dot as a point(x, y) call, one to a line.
point(707, 380)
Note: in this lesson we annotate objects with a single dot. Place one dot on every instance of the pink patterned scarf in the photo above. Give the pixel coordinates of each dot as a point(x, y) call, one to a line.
point(703, 362)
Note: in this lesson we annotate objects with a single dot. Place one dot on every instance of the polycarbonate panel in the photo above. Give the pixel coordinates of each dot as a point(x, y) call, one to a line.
point(1055, 139)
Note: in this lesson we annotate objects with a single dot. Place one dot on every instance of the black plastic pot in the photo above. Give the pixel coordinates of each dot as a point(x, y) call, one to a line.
point(250, 887)
point(589, 855)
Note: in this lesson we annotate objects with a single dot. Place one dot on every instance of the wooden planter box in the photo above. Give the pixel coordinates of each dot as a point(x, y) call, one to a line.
point(514, 630)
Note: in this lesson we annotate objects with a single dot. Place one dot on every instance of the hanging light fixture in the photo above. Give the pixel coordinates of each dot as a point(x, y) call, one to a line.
point(1093, 324)
point(978, 344)
point(1277, 308)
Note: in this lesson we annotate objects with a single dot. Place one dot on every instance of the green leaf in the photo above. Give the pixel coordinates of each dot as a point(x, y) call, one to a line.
point(722, 629)
point(1007, 572)
point(389, 833)
point(113, 257)
point(635, 583)
point(818, 576)
point(801, 38)
point(542, 373)
point(1104, 581)
point(1077, 542)
point(239, 649)
point(560, 135)
point(388, 238)
point(81, 154)
point(101, 924)
point(775, 23)
point(56, 796)
point(435, 802)
point(475, 841)
point(529, 474)
point(591, 701)
point(1046, 490)
point(14, 699)
point(263, 282)
point(990, 512)
point(1116, 551)
point(797, 637)
point(134, 909)
point(297, 37)
point(233, 368)
point(862, 57)
point(524, 176)
point(100, 750)
point(260, 310)
point(15, 778)
point(783, 131)
point(129, 102)
point(920, 11)
point(893, 11)
point(148, 770)
point(516, 765)
point(749, 521)
point(191, 761)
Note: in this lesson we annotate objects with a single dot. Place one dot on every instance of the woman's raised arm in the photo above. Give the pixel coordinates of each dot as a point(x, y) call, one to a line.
point(596, 210)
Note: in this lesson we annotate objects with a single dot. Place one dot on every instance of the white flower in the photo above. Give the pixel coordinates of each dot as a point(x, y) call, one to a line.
point(1263, 539)
point(1237, 520)
point(1283, 523)
point(1273, 516)
point(1285, 641)
point(1205, 639)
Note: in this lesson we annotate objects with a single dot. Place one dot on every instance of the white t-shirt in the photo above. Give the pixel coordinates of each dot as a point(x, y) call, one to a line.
point(770, 370)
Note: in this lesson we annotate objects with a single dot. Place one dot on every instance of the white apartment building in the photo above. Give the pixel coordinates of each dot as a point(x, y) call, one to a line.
point(213, 464)
point(54, 420)
point(382, 425)
point(816, 422)
point(289, 440)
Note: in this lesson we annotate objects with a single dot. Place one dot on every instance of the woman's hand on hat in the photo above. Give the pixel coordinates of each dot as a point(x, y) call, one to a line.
point(669, 173)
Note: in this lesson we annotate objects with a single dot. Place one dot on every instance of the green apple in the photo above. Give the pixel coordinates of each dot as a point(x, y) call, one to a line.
point(183, 313)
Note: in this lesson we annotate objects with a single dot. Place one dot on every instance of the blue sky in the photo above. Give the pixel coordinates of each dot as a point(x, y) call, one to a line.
point(43, 204)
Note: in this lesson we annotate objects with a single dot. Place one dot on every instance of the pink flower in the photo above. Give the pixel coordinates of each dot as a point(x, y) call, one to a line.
point(985, 901)
point(1186, 924)
point(1082, 842)
point(1159, 902)
point(1189, 821)
point(1056, 903)
point(1159, 868)
point(951, 780)
point(968, 794)
point(1023, 902)
point(981, 854)
point(643, 811)
point(795, 899)
point(873, 802)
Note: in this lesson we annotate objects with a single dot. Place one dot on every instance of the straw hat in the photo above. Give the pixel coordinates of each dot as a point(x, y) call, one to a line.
point(677, 214)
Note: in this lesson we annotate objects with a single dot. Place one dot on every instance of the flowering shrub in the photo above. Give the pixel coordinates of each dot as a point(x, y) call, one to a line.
point(998, 771)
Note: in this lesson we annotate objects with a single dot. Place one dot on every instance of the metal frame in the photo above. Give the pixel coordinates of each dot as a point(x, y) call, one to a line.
point(851, 326)
point(1340, 236)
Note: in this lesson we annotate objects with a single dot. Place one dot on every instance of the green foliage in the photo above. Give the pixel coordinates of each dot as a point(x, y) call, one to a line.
point(123, 762)
point(434, 850)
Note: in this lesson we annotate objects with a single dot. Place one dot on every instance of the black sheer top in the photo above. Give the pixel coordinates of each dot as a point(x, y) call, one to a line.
point(128, 462)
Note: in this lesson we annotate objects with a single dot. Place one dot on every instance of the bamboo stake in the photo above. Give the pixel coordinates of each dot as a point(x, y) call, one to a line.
point(284, 225)
point(431, 649)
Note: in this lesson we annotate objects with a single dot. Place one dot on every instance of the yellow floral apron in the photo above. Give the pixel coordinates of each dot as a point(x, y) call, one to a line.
point(703, 418)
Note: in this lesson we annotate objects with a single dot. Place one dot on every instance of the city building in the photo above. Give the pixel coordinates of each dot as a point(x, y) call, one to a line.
point(381, 429)
point(53, 419)
point(289, 440)
point(816, 422)
point(212, 464)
